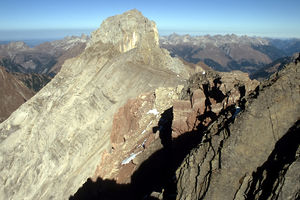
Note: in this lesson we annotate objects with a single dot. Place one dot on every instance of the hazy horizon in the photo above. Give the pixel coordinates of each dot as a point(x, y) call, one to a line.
point(56, 19)
point(52, 34)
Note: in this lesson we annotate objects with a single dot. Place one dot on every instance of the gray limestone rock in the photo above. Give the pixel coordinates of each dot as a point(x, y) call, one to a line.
point(53, 142)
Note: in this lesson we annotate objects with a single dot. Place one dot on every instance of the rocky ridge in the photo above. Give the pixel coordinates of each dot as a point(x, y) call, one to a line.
point(153, 128)
point(222, 137)
point(252, 157)
point(122, 114)
point(55, 140)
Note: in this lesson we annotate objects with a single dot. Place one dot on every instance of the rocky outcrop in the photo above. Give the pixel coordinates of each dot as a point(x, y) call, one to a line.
point(55, 141)
point(152, 133)
point(206, 95)
point(13, 93)
point(253, 154)
point(132, 135)
point(131, 30)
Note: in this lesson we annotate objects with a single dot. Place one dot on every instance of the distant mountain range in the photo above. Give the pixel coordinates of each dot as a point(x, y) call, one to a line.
point(125, 120)
point(229, 52)
point(45, 58)
point(25, 70)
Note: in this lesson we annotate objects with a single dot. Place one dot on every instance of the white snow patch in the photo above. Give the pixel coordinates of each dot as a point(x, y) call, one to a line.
point(130, 158)
point(237, 111)
point(153, 111)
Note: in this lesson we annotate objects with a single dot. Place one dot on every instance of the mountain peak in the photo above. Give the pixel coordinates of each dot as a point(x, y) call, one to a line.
point(127, 31)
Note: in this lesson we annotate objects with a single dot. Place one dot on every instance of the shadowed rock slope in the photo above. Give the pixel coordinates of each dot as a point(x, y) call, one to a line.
point(153, 133)
point(54, 141)
point(255, 155)
point(222, 137)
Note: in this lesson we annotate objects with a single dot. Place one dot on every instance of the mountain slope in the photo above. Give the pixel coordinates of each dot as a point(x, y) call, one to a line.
point(269, 69)
point(229, 52)
point(35, 82)
point(18, 57)
point(54, 141)
point(222, 53)
point(13, 93)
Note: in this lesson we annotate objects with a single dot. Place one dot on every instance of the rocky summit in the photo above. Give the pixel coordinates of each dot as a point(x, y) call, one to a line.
point(53, 142)
point(125, 120)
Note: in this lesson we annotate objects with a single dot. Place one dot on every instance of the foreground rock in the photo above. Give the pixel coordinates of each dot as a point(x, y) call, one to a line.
point(257, 156)
point(221, 137)
point(151, 135)
point(54, 142)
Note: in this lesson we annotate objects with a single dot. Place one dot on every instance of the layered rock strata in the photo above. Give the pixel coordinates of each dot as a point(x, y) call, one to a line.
point(54, 141)
point(148, 131)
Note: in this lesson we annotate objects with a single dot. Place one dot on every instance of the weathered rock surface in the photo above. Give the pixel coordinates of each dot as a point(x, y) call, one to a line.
point(13, 93)
point(132, 134)
point(53, 142)
point(257, 156)
point(207, 94)
point(148, 131)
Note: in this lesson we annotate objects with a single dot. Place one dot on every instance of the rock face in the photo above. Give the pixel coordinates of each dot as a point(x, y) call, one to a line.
point(206, 95)
point(132, 135)
point(221, 137)
point(13, 93)
point(151, 133)
point(54, 141)
point(254, 157)
point(131, 30)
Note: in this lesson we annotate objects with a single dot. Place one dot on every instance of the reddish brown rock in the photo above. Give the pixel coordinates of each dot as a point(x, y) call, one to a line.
point(135, 128)
point(206, 96)
point(129, 135)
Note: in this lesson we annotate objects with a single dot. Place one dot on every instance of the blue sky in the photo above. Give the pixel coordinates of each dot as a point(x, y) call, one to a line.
point(58, 18)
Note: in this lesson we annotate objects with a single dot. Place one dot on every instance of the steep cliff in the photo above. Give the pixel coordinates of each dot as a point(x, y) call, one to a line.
point(152, 134)
point(221, 136)
point(54, 141)
point(252, 155)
